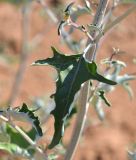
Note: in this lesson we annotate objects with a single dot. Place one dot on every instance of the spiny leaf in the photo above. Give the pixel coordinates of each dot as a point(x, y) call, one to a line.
point(102, 96)
point(64, 96)
point(59, 60)
point(66, 90)
point(92, 68)
point(32, 117)
point(25, 115)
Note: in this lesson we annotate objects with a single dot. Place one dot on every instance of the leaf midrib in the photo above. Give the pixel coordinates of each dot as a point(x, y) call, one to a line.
point(69, 93)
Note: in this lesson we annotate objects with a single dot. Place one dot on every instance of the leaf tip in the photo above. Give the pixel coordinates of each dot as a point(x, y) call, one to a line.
point(53, 50)
point(32, 64)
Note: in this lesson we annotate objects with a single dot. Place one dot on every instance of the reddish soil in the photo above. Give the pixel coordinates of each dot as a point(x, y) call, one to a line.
point(108, 140)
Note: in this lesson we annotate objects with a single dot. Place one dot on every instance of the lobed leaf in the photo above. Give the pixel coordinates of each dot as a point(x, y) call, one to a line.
point(93, 74)
point(64, 96)
point(25, 115)
point(66, 88)
point(34, 119)
point(59, 61)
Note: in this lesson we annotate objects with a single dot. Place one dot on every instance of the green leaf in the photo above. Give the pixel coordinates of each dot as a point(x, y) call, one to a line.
point(32, 118)
point(102, 96)
point(59, 60)
point(25, 115)
point(17, 138)
point(92, 68)
point(14, 149)
point(65, 93)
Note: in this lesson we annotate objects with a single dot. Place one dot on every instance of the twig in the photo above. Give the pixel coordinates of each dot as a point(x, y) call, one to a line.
point(109, 13)
point(120, 18)
point(81, 28)
point(48, 11)
point(24, 53)
point(67, 39)
point(24, 135)
point(84, 94)
point(117, 20)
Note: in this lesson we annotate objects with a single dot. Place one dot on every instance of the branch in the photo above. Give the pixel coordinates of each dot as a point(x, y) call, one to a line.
point(117, 21)
point(48, 11)
point(66, 37)
point(120, 18)
point(84, 94)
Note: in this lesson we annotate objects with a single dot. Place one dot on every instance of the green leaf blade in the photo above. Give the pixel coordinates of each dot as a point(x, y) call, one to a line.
point(92, 67)
point(65, 94)
point(59, 60)
point(32, 117)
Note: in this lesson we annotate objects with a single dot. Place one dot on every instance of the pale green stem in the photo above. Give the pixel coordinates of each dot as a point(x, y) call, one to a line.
point(120, 18)
point(117, 21)
point(84, 94)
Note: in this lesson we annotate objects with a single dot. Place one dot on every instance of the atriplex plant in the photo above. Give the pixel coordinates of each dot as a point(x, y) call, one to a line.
point(75, 82)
